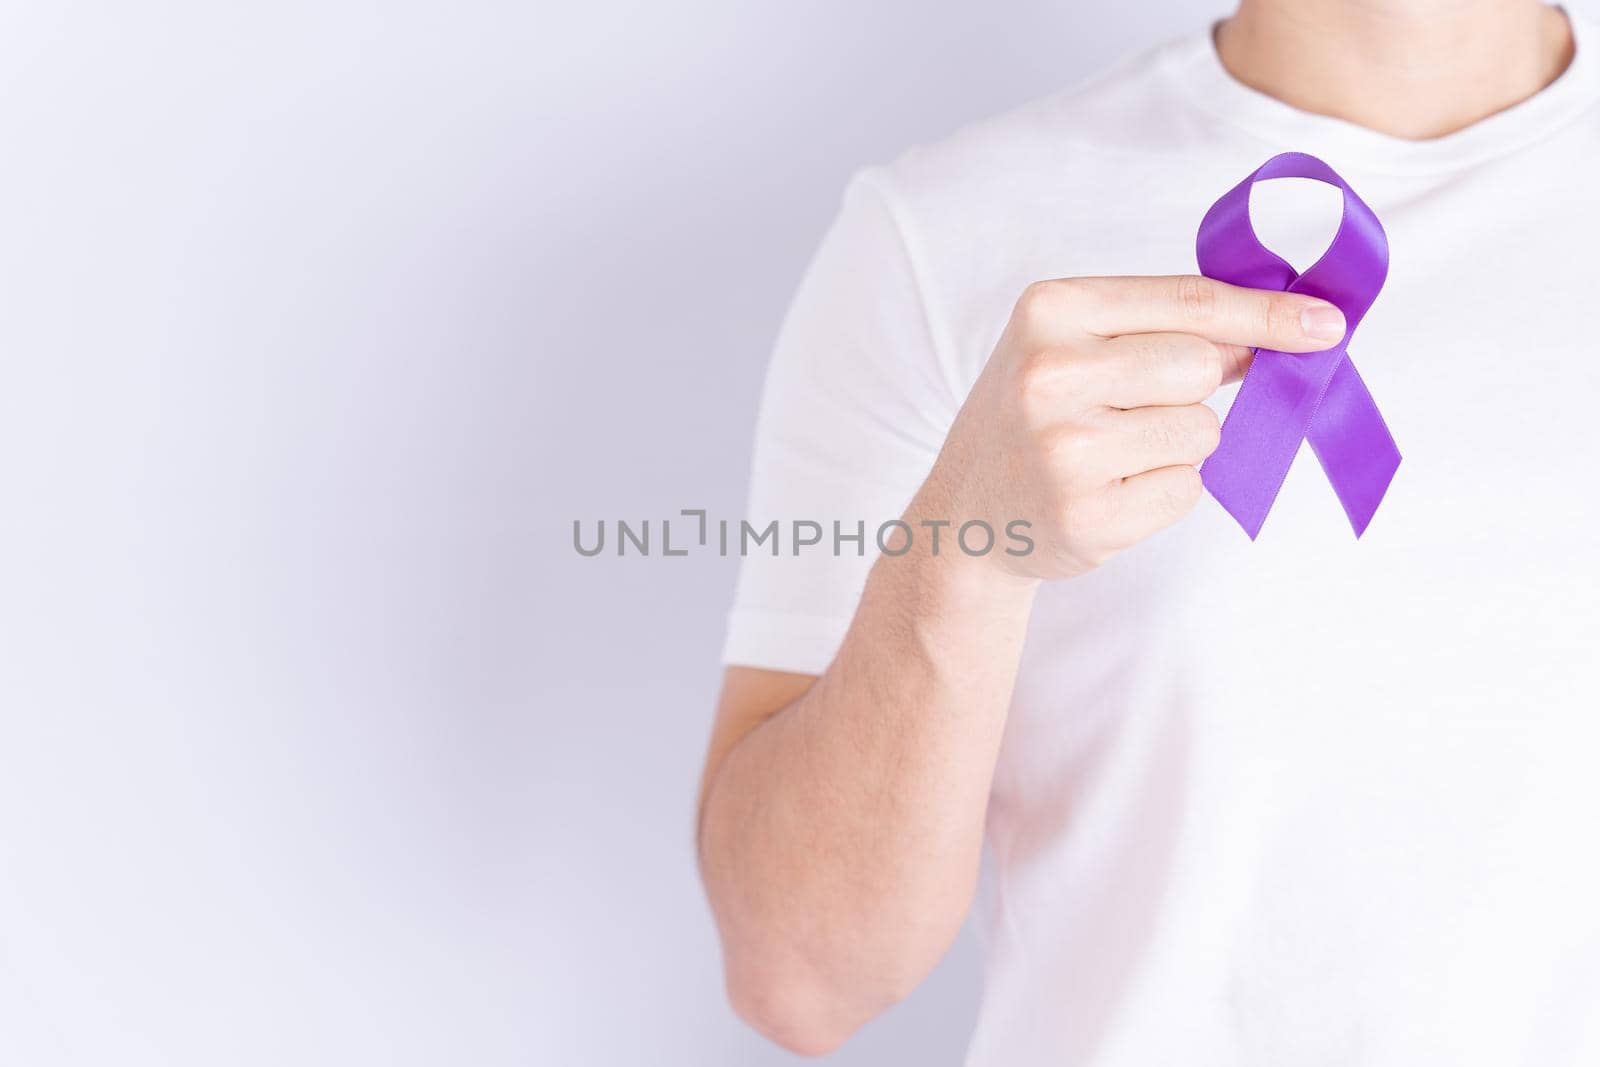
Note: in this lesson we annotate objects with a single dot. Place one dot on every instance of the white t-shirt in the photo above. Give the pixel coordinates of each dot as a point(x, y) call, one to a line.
point(1303, 801)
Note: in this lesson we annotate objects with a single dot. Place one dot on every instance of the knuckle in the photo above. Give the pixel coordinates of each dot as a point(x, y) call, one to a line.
point(1048, 376)
point(1208, 362)
point(1208, 429)
point(1081, 524)
point(1092, 556)
point(1069, 377)
point(1182, 491)
point(1068, 443)
point(1188, 358)
point(1039, 303)
point(1053, 301)
point(1031, 298)
point(1164, 433)
point(1032, 369)
point(1068, 295)
point(1033, 399)
point(1282, 318)
point(1197, 298)
point(1071, 448)
point(1037, 381)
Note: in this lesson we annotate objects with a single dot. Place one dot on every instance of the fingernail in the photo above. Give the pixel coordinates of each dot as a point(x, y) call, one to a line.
point(1322, 322)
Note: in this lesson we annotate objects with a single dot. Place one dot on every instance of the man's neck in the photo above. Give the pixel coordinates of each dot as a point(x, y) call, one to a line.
point(1411, 68)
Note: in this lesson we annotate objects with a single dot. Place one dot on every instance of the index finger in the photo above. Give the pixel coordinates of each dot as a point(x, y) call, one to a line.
point(1228, 314)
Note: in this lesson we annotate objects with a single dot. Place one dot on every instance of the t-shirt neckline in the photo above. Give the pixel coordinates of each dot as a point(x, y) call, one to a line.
point(1207, 85)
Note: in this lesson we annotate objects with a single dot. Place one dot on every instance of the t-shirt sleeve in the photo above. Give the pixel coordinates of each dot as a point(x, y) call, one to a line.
point(857, 403)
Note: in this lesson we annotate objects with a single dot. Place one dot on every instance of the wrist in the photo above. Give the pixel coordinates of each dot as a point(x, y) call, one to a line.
point(958, 615)
point(967, 544)
point(950, 569)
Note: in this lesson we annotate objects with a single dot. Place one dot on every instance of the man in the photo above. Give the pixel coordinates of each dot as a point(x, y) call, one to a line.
point(1303, 800)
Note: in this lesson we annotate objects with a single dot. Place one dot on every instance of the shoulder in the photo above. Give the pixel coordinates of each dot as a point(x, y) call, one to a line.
point(1133, 110)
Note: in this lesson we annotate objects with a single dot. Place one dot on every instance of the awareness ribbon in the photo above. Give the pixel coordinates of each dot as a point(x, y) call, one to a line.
point(1285, 398)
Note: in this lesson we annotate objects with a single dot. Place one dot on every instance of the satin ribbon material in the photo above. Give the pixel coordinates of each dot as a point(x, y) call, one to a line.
point(1285, 398)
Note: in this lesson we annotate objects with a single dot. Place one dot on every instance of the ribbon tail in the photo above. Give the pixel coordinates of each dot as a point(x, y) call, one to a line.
point(1354, 446)
point(1261, 435)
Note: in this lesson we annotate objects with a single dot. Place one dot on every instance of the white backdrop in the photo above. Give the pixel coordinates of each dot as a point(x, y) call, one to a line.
point(320, 324)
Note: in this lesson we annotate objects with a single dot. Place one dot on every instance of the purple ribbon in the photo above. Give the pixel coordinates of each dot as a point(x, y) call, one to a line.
point(1285, 398)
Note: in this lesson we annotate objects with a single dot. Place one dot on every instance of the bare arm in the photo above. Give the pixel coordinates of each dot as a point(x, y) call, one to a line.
point(825, 882)
point(841, 821)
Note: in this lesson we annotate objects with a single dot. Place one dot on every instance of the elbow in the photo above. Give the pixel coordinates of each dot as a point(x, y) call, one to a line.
point(800, 1013)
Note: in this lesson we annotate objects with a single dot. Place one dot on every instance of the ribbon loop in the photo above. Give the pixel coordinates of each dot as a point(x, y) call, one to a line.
point(1287, 398)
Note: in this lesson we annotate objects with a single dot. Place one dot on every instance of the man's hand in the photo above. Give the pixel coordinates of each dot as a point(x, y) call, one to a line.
point(1088, 420)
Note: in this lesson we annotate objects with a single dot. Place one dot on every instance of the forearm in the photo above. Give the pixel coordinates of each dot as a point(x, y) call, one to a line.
point(840, 839)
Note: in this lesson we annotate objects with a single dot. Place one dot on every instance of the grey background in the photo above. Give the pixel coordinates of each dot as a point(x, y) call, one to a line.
point(319, 324)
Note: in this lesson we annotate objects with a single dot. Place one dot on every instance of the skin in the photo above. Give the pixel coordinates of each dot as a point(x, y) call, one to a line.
point(841, 816)
point(1415, 69)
